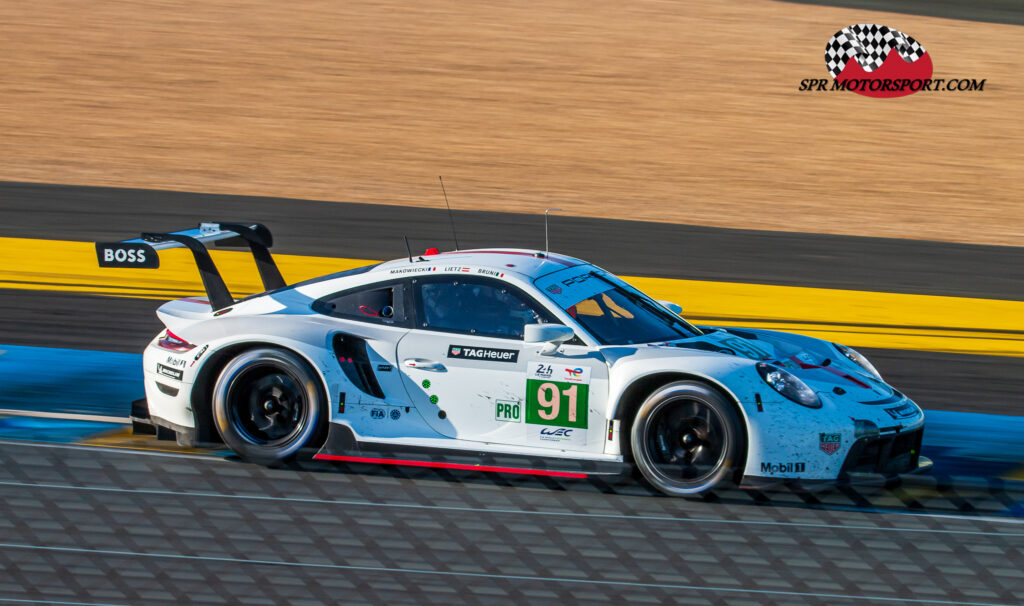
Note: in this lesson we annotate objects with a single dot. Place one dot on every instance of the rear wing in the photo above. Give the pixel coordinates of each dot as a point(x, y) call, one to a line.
point(142, 253)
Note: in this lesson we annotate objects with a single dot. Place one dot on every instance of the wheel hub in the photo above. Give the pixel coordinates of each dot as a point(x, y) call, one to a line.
point(686, 439)
point(269, 408)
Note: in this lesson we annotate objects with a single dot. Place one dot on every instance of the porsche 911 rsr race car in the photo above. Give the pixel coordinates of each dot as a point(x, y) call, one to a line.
point(505, 360)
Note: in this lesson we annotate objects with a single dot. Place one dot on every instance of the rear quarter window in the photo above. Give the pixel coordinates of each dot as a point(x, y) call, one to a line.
point(376, 303)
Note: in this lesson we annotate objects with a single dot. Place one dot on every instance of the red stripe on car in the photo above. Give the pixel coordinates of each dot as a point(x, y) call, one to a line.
point(834, 371)
point(440, 465)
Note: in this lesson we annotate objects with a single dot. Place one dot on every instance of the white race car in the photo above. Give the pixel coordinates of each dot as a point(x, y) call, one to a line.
point(506, 360)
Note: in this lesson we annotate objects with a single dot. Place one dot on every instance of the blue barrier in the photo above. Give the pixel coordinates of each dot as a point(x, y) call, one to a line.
point(69, 380)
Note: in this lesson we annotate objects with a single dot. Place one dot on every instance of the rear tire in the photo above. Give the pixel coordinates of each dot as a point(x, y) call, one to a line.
point(686, 439)
point(267, 405)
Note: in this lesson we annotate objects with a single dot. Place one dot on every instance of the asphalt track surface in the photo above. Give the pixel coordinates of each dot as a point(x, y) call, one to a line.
point(990, 11)
point(634, 248)
point(90, 525)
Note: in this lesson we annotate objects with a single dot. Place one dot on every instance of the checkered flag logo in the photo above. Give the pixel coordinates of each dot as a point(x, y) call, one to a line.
point(869, 45)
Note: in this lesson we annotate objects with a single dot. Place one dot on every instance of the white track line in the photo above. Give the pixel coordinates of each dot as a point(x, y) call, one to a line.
point(483, 575)
point(56, 602)
point(484, 510)
point(112, 450)
point(64, 415)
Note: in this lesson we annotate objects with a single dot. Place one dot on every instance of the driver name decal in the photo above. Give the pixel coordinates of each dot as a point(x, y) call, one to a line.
point(486, 354)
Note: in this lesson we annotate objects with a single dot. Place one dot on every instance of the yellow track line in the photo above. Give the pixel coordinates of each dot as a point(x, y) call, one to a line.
point(857, 318)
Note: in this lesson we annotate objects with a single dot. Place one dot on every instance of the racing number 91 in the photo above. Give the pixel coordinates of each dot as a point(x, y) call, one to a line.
point(556, 403)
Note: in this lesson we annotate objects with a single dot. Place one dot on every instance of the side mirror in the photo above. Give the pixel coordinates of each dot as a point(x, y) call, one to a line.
point(672, 307)
point(552, 335)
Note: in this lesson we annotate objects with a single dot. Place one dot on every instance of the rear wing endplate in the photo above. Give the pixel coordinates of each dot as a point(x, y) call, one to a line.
point(142, 253)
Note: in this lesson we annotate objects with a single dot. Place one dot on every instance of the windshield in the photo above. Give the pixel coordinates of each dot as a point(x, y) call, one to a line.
point(615, 314)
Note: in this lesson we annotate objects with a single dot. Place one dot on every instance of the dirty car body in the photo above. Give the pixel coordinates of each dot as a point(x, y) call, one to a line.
point(517, 361)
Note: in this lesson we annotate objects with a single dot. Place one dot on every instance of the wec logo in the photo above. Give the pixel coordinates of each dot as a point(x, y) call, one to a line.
point(561, 432)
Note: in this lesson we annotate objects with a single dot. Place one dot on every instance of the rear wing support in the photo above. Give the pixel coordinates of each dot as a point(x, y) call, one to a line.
point(142, 253)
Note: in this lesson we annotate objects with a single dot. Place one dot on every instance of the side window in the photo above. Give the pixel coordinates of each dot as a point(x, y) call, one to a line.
point(490, 309)
point(381, 304)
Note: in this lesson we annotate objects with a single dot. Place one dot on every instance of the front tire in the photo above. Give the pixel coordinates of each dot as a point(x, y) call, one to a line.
point(686, 438)
point(267, 405)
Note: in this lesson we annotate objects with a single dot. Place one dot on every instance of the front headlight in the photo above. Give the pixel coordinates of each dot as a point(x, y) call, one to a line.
point(788, 385)
point(858, 359)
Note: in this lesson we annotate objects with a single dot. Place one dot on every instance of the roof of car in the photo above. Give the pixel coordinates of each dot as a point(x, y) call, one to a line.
point(531, 263)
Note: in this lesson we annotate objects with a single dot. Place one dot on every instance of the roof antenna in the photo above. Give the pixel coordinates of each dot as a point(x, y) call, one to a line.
point(450, 217)
point(546, 228)
point(408, 248)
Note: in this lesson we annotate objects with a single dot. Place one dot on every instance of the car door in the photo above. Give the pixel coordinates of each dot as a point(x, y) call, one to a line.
point(468, 371)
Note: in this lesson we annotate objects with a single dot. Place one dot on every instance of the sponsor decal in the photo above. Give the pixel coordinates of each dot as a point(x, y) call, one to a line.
point(561, 402)
point(554, 289)
point(745, 348)
point(199, 355)
point(412, 270)
point(557, 437)
point(575, 280)
point(508, 411)
point(490, 272)
point(179, 363)
point(167, 371)
point(565, 374)
point(376, 413)
point(384, 368)
point(559, 434)
point(395, 414)
point(829, 442)
point(903, 411)
point(124, 254)
point(879, 61)
point(796, 467)
point(542, 371)
point(483, 353)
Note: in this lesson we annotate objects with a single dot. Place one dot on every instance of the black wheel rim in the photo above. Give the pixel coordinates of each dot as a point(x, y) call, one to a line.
point(267, 406)
point(686, 441)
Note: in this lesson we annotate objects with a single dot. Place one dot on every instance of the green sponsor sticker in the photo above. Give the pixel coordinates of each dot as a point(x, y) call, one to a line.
point(508, 411)
point(556, 403)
